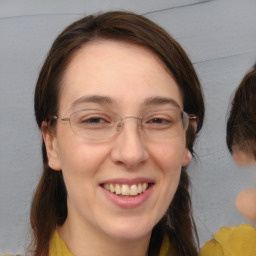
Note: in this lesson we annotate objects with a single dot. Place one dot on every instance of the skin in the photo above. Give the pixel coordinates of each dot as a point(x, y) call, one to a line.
point(242, 158)
point(246, 203)
point(116, 70)
point(246, 199)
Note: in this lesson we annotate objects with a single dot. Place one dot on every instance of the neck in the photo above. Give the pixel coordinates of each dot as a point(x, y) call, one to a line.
point(84, 240)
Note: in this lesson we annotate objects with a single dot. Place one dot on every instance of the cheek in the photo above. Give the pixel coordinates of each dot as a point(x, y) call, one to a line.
point(79, 159)
point(80, 163)
point(169, 156)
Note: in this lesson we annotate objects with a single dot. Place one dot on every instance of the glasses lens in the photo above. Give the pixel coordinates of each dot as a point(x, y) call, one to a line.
point(94, 124)
point(165, 124)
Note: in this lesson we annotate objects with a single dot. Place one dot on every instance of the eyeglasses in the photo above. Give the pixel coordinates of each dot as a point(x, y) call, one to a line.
point(100, 125)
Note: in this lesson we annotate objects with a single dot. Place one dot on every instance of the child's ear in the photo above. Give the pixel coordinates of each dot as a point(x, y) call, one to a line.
point(51, 147)
point(187, 158)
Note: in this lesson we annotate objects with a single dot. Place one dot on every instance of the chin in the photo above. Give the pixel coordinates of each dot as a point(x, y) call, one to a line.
point(125, 231)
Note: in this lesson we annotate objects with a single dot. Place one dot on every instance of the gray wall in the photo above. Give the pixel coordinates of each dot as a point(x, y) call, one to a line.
point(218, 35)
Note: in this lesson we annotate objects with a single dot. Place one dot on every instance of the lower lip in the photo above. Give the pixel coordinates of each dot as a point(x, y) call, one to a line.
point(131, 201)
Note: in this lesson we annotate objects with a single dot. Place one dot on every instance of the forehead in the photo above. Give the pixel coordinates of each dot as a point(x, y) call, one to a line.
point(124, 72)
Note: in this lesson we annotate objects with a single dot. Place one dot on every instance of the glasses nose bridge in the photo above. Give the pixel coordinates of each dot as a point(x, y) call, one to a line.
point(121, 123)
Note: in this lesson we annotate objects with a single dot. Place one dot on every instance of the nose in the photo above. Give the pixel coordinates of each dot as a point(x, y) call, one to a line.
point(128, 149)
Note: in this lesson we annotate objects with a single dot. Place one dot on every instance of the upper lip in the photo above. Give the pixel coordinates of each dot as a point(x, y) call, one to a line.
point(128, 181)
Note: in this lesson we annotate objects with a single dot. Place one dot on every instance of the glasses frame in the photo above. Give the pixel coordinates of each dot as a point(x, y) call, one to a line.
point(120, 124)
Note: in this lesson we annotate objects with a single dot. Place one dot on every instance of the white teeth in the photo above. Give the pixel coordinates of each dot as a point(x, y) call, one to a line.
point(118, 190)
point(133, 190)
point(144, 186)
point(111, 187)
point(139, 189)
point(106, 186)
point(126, 190)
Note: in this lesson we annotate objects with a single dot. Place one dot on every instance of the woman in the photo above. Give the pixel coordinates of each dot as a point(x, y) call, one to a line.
point(119, 105)
point(241, 142)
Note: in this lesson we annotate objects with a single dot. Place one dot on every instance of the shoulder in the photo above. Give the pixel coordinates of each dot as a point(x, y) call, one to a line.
point(211, 248)
point(167, 247)
point(236, 240)
point(58, 247)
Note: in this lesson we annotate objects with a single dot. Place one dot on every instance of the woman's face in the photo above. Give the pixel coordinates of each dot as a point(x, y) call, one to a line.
point(130, 81)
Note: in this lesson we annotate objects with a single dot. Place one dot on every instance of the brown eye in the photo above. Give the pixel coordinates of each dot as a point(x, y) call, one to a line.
point(92, 120)
point(157, 120)
point(89, 119)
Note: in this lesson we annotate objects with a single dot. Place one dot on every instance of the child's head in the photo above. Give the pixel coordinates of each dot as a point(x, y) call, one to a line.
point(241, 137)
point(241, 125)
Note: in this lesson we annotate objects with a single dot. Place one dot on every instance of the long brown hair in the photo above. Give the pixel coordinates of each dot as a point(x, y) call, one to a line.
point(241, 125)
point(49, 206)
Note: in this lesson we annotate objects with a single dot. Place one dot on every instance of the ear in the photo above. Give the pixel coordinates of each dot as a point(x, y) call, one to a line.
point(193, 123)
point(51, 145)
point(187, 158)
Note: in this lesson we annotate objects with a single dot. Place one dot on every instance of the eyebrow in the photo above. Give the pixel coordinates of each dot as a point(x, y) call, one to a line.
point(93, 99)
point(105, 100)
point(161, 101)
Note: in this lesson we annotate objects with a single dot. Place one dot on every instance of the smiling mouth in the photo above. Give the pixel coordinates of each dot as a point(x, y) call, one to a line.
point(125, 190)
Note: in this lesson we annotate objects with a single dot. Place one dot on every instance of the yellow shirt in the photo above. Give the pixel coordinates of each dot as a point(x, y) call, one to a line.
point(58, 247)
point(234, 241)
